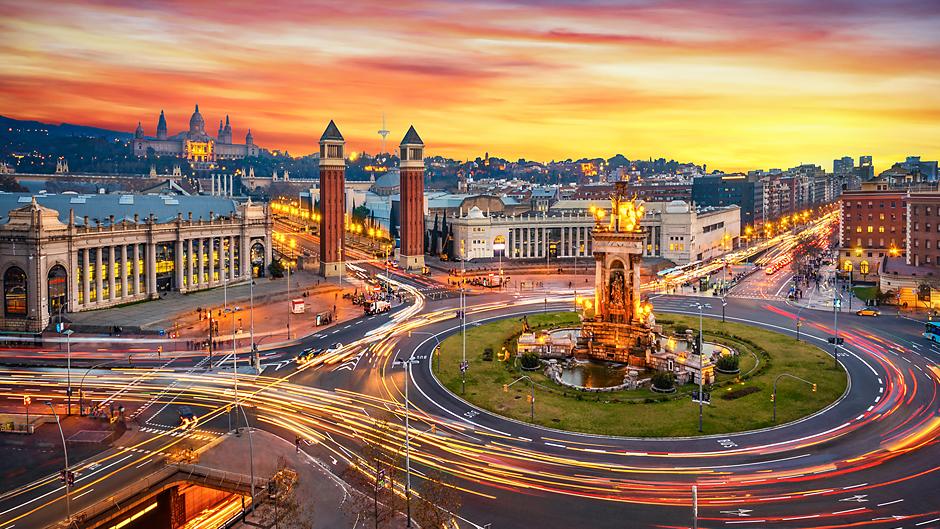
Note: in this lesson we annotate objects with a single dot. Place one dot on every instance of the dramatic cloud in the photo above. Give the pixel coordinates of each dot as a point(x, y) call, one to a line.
point(737, 84)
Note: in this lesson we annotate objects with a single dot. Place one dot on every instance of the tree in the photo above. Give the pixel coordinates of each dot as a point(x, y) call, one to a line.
point(435, 501)
point(276, 269)
point(377, 477)
point(283, 508)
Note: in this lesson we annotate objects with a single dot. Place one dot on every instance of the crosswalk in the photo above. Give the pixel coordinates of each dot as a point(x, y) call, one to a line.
point(200, 435)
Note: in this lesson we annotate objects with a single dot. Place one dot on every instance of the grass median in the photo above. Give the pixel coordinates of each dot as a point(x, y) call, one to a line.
point(641, 412)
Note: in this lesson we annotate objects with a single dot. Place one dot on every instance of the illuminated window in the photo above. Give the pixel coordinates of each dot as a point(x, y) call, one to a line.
point(14, 292)
point(870, 229)
point(881, 229)
point(858, 229)
point(863, 267)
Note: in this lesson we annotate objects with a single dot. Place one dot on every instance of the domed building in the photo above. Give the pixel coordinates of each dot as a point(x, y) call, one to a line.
point(195, 144)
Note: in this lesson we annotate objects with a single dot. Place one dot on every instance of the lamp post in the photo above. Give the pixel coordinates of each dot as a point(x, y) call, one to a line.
point(724, 304)
point(836, 305)
point(68, 371)
point(701, 363)
point(290, 307)
point(463, 325)
point(773, 397)
point(251, 458)
point(407, 364)
point(65, 452)
point(251, 323)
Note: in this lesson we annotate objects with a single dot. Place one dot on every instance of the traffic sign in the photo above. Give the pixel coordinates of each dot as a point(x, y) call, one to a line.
point(464, 366)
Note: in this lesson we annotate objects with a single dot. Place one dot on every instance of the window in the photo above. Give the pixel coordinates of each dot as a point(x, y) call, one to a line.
point(58, 289)
point(881, 216)
point(869, 229)
point(14, 292)
point(858, 229)
point(881, 229)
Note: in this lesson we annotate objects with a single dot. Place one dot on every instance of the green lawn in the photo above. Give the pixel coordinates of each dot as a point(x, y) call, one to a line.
point(641, 412)
point(866, 293)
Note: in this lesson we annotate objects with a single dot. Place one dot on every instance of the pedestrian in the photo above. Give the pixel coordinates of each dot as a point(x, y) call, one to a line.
point(297, 444)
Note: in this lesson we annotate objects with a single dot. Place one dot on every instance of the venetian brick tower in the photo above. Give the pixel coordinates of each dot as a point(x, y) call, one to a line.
point(412, 201)
point(332, 201)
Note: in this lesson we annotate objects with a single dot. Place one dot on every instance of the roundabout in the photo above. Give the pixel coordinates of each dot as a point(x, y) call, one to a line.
point(739, 402)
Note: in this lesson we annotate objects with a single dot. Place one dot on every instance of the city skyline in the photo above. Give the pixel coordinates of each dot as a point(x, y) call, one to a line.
point(735, 85)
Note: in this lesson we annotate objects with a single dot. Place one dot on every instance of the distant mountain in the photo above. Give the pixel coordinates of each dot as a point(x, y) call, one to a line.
point(63, 130)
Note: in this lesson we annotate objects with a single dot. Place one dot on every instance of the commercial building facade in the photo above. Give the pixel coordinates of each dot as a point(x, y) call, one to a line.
point(57, 258)
point(872, 225)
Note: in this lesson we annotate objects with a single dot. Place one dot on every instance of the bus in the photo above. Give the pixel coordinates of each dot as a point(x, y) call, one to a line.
point(932, 331)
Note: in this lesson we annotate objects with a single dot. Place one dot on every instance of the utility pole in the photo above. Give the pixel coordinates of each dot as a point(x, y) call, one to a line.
point(65, 473)
point(463, 322)
point(290, 307)
point(68, 355)
point(407, 364)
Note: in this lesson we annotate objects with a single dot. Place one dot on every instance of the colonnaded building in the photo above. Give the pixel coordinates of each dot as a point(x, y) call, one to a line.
point(195, 144)
point(69, 252)
point(675, 230)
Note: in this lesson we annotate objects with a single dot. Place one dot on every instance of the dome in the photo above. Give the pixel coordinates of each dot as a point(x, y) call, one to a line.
point(475, 213)
point(677, 206)
point(196, 123)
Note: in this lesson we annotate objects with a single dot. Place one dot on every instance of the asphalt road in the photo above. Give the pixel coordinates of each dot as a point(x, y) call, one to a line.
point(868, 461)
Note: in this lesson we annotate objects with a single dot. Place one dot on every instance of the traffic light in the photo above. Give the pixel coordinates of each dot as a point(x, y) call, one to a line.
point(63, 477)
point(27, 400)
point(814, 388)
point(71, 476)
point(159, 350)
point(529, 399)
point(505, 388)
point(772, 397)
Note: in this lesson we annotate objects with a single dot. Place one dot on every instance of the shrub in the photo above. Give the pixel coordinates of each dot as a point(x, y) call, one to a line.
point(728, 363)
point(488, 354)
point(738, 393)
point(664, 380)
point(529, 361)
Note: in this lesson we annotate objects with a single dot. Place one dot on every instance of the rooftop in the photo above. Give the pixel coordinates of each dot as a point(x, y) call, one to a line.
point(123, 206)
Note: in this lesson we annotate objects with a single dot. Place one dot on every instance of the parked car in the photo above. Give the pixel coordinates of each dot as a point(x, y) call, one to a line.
point(868, 311)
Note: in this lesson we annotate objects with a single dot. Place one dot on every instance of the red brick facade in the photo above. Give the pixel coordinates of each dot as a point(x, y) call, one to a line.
point(923, 229)
point(872, 226)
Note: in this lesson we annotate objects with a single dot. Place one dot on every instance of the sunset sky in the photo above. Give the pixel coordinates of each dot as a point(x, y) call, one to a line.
point(736, 84)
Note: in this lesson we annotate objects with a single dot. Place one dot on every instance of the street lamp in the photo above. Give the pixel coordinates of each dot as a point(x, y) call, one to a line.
point(65, 451)
point(68, 348)
point(701, 363)
point(724, 304)
point(251, 457)
point(773, 397)
point(407, 364)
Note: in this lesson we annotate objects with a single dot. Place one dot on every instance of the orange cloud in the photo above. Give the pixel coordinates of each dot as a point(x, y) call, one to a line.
point(735, 84)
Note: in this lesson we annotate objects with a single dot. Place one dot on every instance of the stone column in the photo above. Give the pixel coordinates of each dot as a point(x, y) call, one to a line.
point(86, 277)
point(190, 284)
point(178, 264)
point(231, 185)
point(231, 258)
point(99, 283)
point(562, 248)
point(151, 267)
point(210, 254)
point(112, 280)
point(244, 260)
point(124, 291)
point(136, 269)
point(200, 262)
point(72, 304)
point(212, 184)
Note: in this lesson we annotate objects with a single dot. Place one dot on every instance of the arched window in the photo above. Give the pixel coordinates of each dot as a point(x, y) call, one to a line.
point(58, 286)
point(863, 267)
point(847, 266)
point(14, 293)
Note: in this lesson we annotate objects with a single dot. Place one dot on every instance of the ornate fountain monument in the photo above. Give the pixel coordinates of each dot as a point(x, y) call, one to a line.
point(622, 327)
